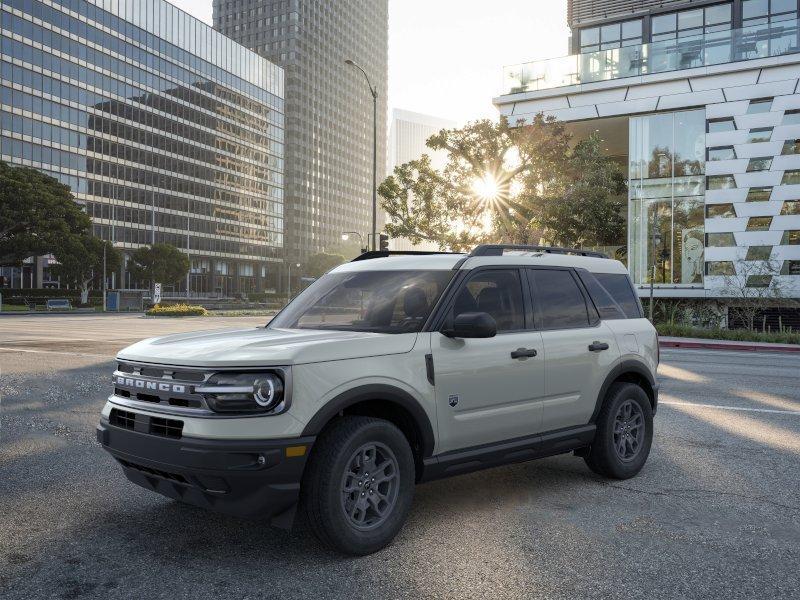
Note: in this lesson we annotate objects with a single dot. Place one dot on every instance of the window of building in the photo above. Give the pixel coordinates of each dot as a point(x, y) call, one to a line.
point(790, 267)
point(791, 238)
point(791, 117)
point(612, 35)
point(759, 134)
point(666, 209)
point(791, 207)
point(759, 194)
point(720, 182)
point(720, 268)
point(759, 106)
point(759, 223)
point(791, 147)
point(693, 22)
point(558, 299)
point(721, 153)
point(762, 163)
point(791, 177)
point(720, 125)
point(759, 281)
point(720, 240)
point(758, 253)
point(720, 210)
point(759, 12)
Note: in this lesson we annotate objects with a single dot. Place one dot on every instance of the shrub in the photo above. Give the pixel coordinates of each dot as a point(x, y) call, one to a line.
point(739, 335)
point(177, 310)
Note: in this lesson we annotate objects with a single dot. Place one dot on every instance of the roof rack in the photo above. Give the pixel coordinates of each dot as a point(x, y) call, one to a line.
point(384, 253)
point(497, 250)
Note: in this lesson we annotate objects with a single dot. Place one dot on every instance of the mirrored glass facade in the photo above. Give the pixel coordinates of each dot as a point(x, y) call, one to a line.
point(165, 130)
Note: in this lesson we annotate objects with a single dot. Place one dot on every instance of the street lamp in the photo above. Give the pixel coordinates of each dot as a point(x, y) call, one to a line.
point(346, 236)
point(289, 282)
point(374, 93)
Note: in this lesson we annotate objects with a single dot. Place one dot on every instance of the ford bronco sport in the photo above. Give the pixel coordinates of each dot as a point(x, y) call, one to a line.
point(388, 371)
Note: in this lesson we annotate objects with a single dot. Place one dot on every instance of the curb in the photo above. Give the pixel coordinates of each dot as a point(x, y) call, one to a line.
point(740, 346)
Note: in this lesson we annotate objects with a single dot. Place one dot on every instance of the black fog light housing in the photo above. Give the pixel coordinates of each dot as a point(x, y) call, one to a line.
point(244, 392)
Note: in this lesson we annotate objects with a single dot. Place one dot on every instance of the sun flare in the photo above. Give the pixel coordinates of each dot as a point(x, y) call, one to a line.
point(486, 187)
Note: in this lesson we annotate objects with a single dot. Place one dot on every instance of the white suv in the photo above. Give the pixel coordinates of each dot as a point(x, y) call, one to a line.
point(388, 371)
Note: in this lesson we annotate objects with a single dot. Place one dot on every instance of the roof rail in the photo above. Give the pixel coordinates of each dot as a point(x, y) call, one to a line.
point(384, 253)
point(497, 250)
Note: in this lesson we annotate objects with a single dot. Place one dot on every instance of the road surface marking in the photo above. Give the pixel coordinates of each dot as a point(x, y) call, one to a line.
point(741, 408)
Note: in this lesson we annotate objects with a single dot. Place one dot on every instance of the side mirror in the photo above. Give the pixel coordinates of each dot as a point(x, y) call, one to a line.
point(472, 325)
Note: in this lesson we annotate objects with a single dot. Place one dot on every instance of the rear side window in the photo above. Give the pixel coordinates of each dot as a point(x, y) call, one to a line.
point(606, 305)
point(620, 289)
point(558, 299)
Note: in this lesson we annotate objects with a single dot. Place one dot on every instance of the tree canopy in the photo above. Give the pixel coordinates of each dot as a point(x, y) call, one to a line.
point(319, 264)
point(159, 263)
point(80, 261)
point(37, 214)
point(508, 184)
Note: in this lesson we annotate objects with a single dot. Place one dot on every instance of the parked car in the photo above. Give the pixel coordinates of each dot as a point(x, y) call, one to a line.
point(391, 370)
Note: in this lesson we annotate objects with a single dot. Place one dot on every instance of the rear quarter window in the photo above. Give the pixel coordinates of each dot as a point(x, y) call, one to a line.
point(619, 287)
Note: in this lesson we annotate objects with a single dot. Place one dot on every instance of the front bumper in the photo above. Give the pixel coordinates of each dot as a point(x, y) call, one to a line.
point(248, 478)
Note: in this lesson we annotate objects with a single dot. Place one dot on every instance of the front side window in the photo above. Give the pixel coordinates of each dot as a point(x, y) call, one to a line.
point(558, 299)
point(497, 293)
point(374, 301)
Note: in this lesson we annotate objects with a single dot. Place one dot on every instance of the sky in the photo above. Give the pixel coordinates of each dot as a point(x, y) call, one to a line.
point(446, 57)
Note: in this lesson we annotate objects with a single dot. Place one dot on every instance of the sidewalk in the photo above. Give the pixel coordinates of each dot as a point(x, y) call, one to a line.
point(675, 342)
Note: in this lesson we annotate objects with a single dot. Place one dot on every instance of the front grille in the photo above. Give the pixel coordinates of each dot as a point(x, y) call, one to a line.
point(122, 418)
point(150, 471)
point(170, 428)
point(163, 386)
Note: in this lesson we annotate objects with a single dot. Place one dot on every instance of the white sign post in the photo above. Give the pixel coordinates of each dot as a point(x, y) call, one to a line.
point(157, 293)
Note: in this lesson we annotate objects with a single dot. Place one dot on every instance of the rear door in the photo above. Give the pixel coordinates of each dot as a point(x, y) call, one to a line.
point(579, 349)
point(483, 393)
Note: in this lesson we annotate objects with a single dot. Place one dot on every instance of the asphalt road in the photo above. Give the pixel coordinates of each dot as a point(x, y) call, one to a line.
point(714, 514)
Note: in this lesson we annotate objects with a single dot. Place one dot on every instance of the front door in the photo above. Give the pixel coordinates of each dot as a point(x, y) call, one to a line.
point(483, 394)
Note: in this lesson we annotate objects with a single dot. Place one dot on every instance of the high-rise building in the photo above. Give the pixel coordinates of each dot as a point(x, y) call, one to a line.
point(699, 99)
point(407, 136)
point(164, 129)
point(328, 187)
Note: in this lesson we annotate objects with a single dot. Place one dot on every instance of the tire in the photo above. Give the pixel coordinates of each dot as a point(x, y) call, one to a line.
point(336, 493)
point(623, 456)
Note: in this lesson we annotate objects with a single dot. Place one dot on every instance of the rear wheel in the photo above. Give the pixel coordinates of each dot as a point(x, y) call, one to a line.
point(624, 433)
point(359, 484)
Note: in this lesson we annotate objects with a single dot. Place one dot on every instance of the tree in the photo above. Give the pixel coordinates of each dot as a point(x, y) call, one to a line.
point(80, 262)
point(507, 184)
point(753, 288)
point(161, 263)
point(319, 264)
point(37, 213)
point(587, 206)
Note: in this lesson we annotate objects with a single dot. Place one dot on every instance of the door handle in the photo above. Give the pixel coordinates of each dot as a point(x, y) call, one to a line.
point(523, 353)
point(597, 346)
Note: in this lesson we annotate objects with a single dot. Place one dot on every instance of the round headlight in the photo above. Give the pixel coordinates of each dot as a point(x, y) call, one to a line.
point(268, 391)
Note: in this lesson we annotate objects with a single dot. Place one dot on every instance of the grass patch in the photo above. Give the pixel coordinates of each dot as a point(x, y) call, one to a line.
point(738, 335)
point(177, 310)
point(14, 308)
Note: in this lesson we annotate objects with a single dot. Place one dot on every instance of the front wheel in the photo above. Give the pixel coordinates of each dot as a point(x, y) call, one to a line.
point(624, 433)
point(359, 484)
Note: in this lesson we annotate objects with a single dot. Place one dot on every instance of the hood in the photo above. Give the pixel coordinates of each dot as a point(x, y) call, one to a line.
point(265, 347)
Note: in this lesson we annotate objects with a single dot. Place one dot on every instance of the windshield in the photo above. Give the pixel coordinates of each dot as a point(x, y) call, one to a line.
point(379, 301)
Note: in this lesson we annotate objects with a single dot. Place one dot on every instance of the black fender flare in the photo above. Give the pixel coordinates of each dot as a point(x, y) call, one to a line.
point(627, 366)
point(375, 391)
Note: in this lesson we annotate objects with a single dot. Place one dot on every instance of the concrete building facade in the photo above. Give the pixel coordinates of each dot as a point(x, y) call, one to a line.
point(702, 103)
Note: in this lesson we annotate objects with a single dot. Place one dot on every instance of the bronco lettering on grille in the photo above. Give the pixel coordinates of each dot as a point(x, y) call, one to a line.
point(143, 384)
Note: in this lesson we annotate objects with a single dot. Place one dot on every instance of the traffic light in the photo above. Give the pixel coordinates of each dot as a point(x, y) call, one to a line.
point(384, 241)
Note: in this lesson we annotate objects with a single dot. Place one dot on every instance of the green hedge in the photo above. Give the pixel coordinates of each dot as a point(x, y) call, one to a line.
point(177, 310)
point(739, 335)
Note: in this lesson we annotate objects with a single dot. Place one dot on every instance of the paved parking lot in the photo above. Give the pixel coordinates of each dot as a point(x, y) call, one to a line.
point(714, 514)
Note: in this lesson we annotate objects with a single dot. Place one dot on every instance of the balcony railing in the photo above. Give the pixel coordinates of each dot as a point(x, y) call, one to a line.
point(720, 47)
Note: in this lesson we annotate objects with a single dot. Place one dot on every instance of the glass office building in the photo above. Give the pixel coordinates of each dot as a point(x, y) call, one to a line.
point(165, 130)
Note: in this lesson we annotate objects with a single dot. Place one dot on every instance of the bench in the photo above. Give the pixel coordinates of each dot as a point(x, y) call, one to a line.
point(58, 304)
